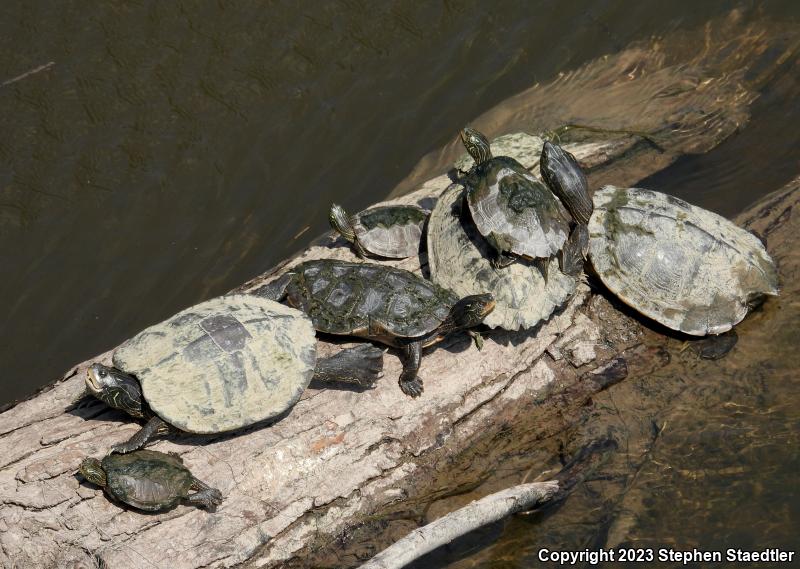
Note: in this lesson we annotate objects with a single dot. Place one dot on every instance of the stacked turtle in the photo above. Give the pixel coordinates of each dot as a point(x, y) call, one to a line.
point(504, 249)
point(501, 231)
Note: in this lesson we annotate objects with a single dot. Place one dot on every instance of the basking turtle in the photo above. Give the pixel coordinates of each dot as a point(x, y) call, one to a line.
point(514, 211)
point(392, 231)
point(219, 366)
point(686, 268)
point(149, 480)
point(563, 175)
point(523, 147)
point(389, 305)
point(459, 259)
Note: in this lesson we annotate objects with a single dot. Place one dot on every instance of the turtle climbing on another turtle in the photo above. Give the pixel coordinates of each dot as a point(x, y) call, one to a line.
point(149, 480)
point(565, 178)
point(460, 259)
point(392, 231)
point(385, 304)
point(515, 212)
point(222, 365)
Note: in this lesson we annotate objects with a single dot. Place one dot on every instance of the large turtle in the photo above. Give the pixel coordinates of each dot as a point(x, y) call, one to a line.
point(149, 480)
point(687, 268)
point(386, 304)
point(460, 259)
point(221, 365)
point(515, 212)
point(392, 231)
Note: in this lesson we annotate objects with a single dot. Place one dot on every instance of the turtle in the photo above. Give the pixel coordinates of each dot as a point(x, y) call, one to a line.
point(563, 175)
point(149, 480)
point(687, 268)
point(565, 178)
point(392, 231)
point(385, 304)
point(221, 365)
point(516, 213)
point(459, 259)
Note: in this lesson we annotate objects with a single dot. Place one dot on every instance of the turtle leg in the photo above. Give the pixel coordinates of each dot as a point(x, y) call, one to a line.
point(542, 263)
point(205, 497)
point(410, 356)
point(274, 290)
point(477, 338)
point(361, 366)
point(501, 260)
point(137, 441)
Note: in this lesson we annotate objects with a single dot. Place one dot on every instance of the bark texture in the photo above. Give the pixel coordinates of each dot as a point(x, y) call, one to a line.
point(341, 461)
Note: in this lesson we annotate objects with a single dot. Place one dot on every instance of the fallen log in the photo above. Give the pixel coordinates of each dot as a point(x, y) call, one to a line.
point(342, 461)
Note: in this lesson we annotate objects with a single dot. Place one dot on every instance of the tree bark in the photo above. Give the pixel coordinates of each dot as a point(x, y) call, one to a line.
point(343, 460)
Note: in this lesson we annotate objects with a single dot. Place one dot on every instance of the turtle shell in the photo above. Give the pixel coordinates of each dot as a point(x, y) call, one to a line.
point(356, 298)
point(223, 364)
point(459, 259)
point(514, 211)
point(147, 479)
point(392, 231)
point(687, 268)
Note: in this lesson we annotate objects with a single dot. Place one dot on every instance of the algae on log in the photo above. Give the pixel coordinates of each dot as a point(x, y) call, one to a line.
point(340, 460)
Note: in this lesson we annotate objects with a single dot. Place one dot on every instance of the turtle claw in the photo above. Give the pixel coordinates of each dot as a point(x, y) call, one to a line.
point(208, 498)
point(412, 388)
point(477, 338)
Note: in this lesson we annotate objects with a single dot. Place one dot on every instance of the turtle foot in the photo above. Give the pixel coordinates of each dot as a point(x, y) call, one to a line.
point(412, 388)
point(124, 448)
point(208, 498)
point(477, 338)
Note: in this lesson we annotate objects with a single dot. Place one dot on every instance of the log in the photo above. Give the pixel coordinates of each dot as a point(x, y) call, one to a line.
point(487, 510)
point(343, 462)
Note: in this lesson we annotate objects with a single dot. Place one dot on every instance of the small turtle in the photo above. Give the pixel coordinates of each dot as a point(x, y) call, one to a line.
point(459, 259)
point(563, 175)
point(514, 211)
point(392, 231)
point(219, 366)
point(149, 480)
point(685, 267)
point(389, 305)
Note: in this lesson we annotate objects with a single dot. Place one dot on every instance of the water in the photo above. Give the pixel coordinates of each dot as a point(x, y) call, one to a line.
point(167, 155)
point(157, 156)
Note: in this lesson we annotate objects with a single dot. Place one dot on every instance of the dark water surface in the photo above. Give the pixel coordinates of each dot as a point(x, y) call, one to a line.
point(161, 154)
point(168, 153)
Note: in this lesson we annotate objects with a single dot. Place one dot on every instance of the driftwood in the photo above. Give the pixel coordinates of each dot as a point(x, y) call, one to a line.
point(487, 510)
point(342, 460)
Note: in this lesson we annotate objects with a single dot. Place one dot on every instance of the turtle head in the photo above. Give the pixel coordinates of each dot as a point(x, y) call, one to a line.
point(92, 470)
point(469, 311)
point(115, 388)
point(476, 144)
point(341, 223)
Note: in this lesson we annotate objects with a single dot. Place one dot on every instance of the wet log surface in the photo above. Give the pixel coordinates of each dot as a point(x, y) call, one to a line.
point(342, 462)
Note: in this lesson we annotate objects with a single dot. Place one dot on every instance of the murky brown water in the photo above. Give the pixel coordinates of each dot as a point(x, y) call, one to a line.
point(161, 155)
